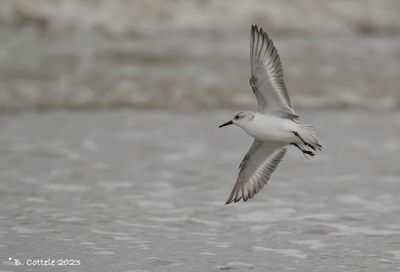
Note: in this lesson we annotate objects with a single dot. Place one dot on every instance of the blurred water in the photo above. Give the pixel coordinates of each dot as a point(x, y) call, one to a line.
point(185, 69)
point(185, 54)
point(145, 191)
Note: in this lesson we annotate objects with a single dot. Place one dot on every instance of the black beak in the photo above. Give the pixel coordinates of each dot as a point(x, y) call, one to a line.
point(226, 124)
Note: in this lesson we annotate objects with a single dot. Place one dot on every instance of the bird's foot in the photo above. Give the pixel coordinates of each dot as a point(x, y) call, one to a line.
point(318, 146)
point(305, 151)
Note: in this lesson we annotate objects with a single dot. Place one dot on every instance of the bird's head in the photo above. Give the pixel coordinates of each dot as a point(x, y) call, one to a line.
point(240, 118)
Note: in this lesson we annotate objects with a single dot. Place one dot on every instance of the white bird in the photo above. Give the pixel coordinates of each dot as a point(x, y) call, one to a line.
point(274, 126)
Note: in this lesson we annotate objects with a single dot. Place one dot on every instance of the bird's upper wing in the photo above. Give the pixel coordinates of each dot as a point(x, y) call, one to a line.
point(256, 169)
point(267, 75)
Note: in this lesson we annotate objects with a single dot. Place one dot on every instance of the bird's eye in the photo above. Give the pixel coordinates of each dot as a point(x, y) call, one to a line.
point(236, 117)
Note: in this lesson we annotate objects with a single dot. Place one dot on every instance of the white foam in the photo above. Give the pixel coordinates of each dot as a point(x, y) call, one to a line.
point(313, 244)
point(208, 253)
point(104, 252)
point(363, 230)
point(288, 252)
point(269, 216)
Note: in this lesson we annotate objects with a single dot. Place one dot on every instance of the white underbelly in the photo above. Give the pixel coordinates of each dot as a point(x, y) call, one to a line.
point(266, 128)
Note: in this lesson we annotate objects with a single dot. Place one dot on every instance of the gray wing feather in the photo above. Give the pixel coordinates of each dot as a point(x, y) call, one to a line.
point(267, 75)
point(256, 169)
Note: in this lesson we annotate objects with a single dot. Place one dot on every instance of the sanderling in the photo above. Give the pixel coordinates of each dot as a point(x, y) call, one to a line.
point(274, 126)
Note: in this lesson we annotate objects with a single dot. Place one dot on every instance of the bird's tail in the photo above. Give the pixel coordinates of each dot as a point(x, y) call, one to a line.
point(309, 137)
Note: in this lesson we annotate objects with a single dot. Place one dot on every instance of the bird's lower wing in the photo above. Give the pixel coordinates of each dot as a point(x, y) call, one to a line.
point(256, 169)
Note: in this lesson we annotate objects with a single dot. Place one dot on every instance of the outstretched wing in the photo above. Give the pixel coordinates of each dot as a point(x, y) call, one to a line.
point(256, 169)
point(267, 75)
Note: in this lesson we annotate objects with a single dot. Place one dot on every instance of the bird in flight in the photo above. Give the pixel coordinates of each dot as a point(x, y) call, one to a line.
point(274, 126)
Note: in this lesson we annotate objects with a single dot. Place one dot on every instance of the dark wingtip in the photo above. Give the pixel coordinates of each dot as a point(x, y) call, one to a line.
point(233, 200)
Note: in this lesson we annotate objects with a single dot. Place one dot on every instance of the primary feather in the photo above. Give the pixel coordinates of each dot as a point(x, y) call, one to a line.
point(267, 75)
point(256, 169)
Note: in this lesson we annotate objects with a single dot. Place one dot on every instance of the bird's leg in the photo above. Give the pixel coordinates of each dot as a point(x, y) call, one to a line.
point(304, 142)
point(305, 152)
